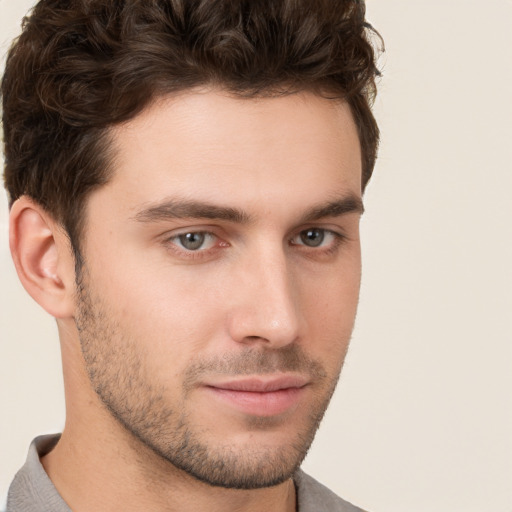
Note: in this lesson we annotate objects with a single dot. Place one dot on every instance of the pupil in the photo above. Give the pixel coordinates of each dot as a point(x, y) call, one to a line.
point(192, 241)
point(312, 237)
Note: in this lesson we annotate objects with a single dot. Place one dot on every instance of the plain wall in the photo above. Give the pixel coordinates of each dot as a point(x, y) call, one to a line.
point(422, 419)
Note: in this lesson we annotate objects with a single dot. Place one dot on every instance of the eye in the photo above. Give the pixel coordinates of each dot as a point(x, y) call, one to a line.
point(312, 237)
point(318, 238)
point(194, 241)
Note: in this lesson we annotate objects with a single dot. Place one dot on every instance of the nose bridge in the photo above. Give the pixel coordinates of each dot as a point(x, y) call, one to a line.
point(268, 303)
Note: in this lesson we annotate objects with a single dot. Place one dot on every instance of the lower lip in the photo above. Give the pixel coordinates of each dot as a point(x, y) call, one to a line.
point(270, 403)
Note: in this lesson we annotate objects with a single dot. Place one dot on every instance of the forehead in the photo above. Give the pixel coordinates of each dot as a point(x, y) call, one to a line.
point(209, 145)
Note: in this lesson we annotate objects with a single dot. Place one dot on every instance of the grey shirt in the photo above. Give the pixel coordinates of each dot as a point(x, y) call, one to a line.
point(33, 491)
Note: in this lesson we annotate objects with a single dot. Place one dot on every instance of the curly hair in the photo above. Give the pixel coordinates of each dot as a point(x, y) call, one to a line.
point(81, 66)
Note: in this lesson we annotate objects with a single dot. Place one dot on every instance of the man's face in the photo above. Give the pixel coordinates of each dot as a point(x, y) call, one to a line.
point(221, 277)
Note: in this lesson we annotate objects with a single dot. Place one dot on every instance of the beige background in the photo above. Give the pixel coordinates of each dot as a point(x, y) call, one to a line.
point(422, 420)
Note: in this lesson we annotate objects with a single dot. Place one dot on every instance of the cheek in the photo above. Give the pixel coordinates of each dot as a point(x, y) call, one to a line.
point(180, 311)
point(329, 305)
point(332, 310)
point(167, 313)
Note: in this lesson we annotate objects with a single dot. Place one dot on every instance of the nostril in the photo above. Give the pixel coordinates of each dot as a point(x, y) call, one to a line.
point(254, 337)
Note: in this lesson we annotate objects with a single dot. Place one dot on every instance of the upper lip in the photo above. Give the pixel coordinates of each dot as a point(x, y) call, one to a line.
point(262, 384)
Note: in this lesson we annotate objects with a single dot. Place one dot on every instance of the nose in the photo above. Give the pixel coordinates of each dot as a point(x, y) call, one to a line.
point(267, 302)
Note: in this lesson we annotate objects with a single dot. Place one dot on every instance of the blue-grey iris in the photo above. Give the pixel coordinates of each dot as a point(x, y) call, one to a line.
point(312, 237)
point(192, 241)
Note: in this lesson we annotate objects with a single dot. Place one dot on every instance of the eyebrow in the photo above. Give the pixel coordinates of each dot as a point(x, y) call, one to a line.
point(335, 208)
point(191, 209)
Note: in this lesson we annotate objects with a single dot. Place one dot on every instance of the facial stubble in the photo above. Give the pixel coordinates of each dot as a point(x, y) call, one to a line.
point(120, 375)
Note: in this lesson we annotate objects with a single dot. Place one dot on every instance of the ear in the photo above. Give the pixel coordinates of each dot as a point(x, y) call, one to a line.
point(43, 257)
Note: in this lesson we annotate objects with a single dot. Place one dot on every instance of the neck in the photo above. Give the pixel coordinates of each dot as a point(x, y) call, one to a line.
point(92, 473)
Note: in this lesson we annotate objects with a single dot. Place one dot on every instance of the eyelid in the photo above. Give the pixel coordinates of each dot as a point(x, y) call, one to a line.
point(218, 242)
point(180, 231)
point(336, 233)
point(208, 240)
point(184, 254)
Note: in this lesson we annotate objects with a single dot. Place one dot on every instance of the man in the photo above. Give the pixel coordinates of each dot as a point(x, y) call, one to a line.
point(186, 183)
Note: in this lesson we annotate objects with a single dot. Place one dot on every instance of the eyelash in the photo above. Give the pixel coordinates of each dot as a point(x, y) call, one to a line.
point(333, 246)
point(171, 244)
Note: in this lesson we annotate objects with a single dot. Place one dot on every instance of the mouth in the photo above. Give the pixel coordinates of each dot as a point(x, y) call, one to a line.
point(260, 396)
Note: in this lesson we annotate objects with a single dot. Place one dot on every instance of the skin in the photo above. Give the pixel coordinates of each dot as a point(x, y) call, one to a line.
point(152, 330)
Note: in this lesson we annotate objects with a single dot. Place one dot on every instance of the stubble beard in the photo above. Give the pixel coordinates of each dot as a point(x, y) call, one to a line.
point(119, 375)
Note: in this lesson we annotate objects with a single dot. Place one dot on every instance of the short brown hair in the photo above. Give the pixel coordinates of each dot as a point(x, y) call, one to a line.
point(82, 66)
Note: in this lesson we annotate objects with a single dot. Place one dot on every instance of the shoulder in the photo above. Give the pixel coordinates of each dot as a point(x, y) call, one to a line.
point(32, 490)
point(312, 496)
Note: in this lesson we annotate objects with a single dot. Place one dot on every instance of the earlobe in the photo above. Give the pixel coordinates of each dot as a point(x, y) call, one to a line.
point(42, 256)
